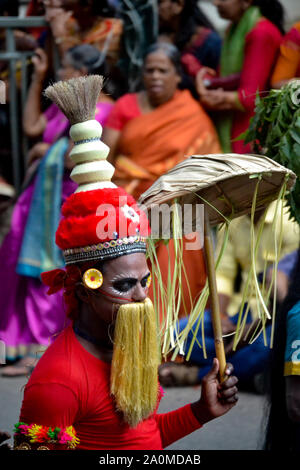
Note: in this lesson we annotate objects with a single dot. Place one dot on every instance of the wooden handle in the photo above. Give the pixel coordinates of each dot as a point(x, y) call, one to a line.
point(215, 307)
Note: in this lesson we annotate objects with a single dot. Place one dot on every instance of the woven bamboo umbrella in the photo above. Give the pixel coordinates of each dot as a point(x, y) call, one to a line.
point(225, 184)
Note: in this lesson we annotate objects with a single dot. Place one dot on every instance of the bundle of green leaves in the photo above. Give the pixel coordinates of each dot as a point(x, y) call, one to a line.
point(274, 131)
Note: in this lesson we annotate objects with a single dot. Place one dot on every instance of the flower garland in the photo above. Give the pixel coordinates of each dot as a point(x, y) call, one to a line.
point(38, 433)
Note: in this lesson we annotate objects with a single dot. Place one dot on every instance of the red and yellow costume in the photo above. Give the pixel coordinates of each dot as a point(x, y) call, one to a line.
point(69, 386)
point(70, 400)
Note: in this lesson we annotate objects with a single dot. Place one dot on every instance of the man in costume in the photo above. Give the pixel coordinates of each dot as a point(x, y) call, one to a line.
point(96, 387)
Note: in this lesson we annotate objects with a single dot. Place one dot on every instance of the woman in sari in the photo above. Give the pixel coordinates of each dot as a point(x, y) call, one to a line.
point(288, 63)
point(52, 123)
point(29, 317)
point(183, 23)
point(248, 55)
point(150, 132)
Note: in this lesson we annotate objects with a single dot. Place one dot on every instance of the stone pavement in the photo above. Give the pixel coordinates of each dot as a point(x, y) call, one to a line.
point(240, 429)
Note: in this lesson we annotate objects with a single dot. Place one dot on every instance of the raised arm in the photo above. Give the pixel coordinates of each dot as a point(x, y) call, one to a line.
point(34, 121)
point(58, 19)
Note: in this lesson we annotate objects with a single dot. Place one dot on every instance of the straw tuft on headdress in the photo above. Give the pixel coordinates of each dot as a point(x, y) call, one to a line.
point(77, 97)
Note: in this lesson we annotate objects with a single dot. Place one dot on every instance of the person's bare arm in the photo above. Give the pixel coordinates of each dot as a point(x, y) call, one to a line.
point(34, 121)
point(292, 395)
point(111, 138)
point(58, 19)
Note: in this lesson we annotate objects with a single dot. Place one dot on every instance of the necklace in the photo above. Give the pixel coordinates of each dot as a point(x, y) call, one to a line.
point(91, 339)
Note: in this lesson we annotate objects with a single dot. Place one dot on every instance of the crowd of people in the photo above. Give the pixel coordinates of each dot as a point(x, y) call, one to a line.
point(195, 94)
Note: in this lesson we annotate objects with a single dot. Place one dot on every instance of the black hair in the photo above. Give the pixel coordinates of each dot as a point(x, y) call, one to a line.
point(99, 7)
point(89, 57)
point(171, 52)
point(9, 8)
point(191, 17)
point(273, 11)
point(280, 430)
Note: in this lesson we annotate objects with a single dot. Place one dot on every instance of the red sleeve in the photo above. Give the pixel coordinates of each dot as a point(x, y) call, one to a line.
point(125, 109)
point(50, 404)
point(176, 424)
point(261, 49)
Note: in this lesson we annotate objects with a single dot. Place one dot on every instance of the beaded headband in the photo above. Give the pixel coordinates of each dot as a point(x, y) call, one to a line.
point(106, 250)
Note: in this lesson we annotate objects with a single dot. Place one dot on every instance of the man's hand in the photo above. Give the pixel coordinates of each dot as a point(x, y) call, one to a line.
point(216, 398)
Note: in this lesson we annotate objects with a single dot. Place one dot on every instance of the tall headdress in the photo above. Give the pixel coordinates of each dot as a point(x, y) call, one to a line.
point(100, 220)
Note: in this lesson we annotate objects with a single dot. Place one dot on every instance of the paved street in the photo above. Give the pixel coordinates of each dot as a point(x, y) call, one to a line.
point(238, 430)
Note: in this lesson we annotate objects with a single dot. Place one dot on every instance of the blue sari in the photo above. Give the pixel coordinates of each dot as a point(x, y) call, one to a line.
point(39, 252)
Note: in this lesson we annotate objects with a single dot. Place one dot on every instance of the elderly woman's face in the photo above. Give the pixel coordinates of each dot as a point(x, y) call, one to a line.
point(160, 77)
point(124, 280)
point(232, 9)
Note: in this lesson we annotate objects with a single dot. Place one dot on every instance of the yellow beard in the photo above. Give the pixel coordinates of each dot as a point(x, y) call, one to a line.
point(134, 379)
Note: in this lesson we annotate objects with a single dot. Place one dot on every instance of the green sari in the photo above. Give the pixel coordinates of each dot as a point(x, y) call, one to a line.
point(232, 59)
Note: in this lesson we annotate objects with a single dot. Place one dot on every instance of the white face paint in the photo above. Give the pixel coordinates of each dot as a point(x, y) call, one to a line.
point(124, 281)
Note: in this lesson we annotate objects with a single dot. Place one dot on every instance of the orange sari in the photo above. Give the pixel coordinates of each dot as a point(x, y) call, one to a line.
point(288, 63)
point(105, 35)
point(155, 142)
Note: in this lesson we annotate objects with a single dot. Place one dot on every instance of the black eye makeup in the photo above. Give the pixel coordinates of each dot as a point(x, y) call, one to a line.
point(126, 284)
point(145, 280)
